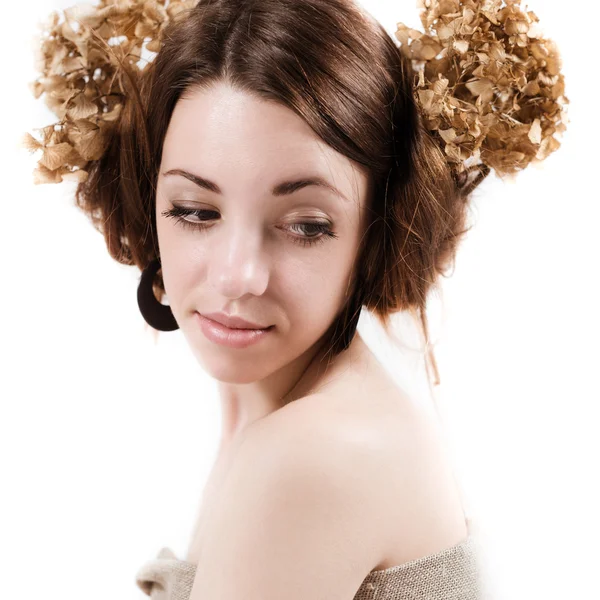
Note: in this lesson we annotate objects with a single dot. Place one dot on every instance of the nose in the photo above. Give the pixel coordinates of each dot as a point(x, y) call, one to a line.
point(238, 264)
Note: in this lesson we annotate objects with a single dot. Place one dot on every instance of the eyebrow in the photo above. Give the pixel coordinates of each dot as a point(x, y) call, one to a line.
point(285, 188)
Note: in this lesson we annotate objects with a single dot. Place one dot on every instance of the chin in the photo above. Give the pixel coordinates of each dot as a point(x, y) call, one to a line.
point(231, 372)
point(231, 365)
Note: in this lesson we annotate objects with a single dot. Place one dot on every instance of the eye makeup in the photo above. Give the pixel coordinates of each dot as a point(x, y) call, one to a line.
point(318, 231)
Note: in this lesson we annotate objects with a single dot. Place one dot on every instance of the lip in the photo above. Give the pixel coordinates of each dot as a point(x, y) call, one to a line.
point(225, 336)
point(233, 322)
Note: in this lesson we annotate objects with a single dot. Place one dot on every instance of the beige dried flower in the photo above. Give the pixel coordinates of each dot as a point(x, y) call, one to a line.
point(489, 85)
point(80, 74)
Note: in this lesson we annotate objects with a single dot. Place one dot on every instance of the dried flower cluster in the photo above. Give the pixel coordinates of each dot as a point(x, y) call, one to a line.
point(488, 83)
point(80, 60)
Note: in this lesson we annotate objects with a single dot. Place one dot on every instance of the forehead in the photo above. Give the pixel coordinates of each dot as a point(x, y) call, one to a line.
point(235, 136)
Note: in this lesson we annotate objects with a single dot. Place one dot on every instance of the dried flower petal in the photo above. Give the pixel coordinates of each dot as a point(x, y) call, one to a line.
point(535, 132)
point(30, 143)
point(81, 108)
point(78, 176)
point(80, 77)
point(55, 156)
point(504, 98)
point(43, 175)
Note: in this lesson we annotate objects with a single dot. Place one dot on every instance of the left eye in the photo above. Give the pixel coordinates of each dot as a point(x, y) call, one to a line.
point(322, 229)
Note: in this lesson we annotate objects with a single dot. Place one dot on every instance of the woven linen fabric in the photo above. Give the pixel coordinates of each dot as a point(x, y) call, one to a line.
point(166, 577)
point(450, 574)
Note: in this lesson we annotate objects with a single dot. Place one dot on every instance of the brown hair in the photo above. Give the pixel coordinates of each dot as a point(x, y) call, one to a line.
point(337, 68)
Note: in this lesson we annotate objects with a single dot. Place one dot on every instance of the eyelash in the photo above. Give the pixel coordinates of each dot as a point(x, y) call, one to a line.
point(178, 213)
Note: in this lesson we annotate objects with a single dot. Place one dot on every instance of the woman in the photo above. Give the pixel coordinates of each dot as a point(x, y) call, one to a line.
point(273, 169)
point(239, 237)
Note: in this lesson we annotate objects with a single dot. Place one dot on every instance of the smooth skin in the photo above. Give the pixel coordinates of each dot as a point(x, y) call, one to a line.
point(305, 498)
point(321, 492)
point(251, 259)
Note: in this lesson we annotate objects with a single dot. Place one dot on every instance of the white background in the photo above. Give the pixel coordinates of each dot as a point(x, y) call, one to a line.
point(106, 436)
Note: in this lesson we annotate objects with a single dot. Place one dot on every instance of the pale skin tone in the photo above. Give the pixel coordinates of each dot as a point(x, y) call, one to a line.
point(252, 260)
point(353, 423)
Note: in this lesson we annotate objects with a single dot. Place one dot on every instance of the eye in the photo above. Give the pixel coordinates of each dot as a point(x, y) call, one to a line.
point(178, 213)
point(320, 228)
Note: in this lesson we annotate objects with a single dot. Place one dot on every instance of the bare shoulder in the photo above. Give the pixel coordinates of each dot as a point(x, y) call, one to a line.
point(294, 516)
point(347, 480)
point(386, 452)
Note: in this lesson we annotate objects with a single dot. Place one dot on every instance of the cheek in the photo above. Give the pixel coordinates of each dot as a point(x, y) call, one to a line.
point(314, 291)
point(183, 264)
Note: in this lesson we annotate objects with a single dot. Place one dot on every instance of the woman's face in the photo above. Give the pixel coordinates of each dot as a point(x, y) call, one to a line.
point(262, 251)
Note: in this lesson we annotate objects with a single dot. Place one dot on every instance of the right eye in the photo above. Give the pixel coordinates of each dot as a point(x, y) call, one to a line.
point(179, 213)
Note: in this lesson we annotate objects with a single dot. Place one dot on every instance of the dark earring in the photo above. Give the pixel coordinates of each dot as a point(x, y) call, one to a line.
point(157, 315)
